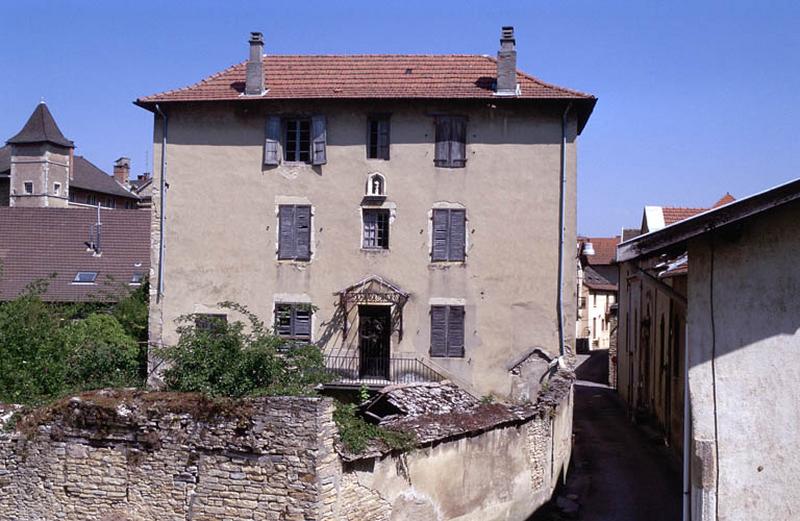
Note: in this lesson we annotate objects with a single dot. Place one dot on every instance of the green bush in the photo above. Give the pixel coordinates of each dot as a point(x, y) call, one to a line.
point(356, 433)
point(99, 354)
point(239, 359)
point(48, 350)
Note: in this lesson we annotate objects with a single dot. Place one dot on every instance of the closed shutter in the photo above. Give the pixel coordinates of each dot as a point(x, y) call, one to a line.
point(455, 331)
point(302, 223)
point(439, 331)
point(283, 320)
point(318, 140)
point(458, 142)
point(383, 138)
point(457, 235)
point(439, 249)
point(272, 143)
point(442, 152)
point(302, 322)
point(287, 242)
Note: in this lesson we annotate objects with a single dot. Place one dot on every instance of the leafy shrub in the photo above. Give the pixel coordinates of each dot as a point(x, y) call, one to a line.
point(239, 359)
point(356, 433)
point(99, 354)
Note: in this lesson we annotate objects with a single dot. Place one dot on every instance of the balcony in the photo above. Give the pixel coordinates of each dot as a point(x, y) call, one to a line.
point(355, 371)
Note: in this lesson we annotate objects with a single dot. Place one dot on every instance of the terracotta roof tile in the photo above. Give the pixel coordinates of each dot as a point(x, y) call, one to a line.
point(38, 242)
point(675, 214)
point(605, 249)
point(727, 198)
point(366, 76)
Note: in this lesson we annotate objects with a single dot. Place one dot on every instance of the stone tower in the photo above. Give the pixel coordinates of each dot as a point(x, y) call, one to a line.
point(41, 162)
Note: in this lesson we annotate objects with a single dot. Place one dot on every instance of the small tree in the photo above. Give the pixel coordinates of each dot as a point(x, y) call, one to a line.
point(239, 358)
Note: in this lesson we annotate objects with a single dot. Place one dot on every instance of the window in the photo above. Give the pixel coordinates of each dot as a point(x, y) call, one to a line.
point(451, 140)
point(85, 277)
point(130, 205)
point(376, 229)
point(72, 197)
point(449, 235)
point(297, 145)
point(91, 199)
point(378, 137)
point(447, 331)
point(28, 185)
point(210, 322)
point(293, 321)
point(294, 232)
point(137, 278)
point(56, 188)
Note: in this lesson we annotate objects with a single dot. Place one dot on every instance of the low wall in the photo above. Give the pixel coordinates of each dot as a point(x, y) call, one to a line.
point(154, 456)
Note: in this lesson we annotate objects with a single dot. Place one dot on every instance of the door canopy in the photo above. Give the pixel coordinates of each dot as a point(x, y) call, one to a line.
point(375, 290)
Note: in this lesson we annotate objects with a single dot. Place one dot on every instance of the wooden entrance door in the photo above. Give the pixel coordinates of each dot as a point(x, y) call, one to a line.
point(374, 334)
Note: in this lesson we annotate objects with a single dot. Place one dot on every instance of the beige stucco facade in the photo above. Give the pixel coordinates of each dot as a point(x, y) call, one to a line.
point(220, 236)
point(44, 168)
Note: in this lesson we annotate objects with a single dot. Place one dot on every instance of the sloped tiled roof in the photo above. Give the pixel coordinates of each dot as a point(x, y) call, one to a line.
point(87, 176)
point(605, 250)
point(41, 128)
point(593, 280)
point(5, 159)
point(675, 214)
point(38, 242)
point(726, 199)
point(370, 76)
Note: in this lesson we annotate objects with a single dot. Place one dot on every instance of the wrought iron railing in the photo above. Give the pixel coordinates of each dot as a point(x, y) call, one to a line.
point(359, 370)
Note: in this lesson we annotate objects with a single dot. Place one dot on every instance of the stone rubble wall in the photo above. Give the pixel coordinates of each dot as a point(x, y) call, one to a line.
point(170, 467)
point(270, 459)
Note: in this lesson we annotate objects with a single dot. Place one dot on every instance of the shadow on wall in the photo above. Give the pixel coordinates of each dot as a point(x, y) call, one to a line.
point(594, 368)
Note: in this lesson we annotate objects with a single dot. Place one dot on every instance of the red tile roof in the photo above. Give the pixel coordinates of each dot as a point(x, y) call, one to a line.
point(38, 242)
point(371, 76)
point(605, 249)
point(675, 214)
point(727, 198)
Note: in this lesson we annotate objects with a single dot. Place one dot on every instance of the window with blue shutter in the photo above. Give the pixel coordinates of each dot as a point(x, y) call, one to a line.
point(293, 321)
point(272, 143)
point(447, 331)
point(448, 239)
point(451, 141)
point(294, 232)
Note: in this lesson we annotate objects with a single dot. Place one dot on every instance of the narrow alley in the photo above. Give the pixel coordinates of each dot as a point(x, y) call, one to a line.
point(619, 471)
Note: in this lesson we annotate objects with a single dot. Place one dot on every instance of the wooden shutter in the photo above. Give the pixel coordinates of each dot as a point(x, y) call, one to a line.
point(439, 239)
point(302, 226)
point(442, 153)
point(455, 331)
point(272, 143)
point(287, 242)
point(383, 138)
point(283, 320)
point(302, 322)
point(458, 142)
point(438, 330)
point(457, 231)
point(318, 140)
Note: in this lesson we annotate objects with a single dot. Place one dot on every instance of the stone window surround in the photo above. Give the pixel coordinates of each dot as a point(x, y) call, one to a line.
point(447, 205)
point(294, 298)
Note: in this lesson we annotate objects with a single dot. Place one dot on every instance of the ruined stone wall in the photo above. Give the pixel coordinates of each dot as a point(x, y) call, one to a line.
point(135, 462)
point(501, 474)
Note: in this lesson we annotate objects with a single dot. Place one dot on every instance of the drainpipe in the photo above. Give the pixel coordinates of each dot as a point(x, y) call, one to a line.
point(687, 418)
point(163, 199)
point(561, 220)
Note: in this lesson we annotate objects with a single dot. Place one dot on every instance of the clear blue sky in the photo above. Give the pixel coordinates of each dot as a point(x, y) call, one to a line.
point(695, 98)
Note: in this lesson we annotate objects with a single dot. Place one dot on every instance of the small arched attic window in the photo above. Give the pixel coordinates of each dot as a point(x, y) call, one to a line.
point(376, 185)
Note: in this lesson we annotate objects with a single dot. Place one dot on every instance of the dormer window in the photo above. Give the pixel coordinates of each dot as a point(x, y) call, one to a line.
point(85, 277)
point(376, 185)
point(137, 278)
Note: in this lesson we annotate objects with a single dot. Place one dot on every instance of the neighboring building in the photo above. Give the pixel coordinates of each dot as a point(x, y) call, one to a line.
point(142, 186)
point(38, 168)
point(597, 292)
point(401, 211)
point(710, 304)
point(656, 217)
point(79, 260)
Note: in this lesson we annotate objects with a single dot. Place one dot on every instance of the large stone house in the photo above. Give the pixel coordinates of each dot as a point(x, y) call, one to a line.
point(709, 331)
point(401, 211)
point(38, 168)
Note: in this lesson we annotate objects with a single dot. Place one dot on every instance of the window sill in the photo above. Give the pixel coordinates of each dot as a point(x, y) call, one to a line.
point(375, 250)
point(445, 264)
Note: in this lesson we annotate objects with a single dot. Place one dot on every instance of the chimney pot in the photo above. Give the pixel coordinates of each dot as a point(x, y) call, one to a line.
point(122, 170)
point(507, 63)
point(254, 84)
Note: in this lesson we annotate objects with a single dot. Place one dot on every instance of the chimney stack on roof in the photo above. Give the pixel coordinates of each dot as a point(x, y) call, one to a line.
point(122, 170)
point(254, 85)
point(507, 64)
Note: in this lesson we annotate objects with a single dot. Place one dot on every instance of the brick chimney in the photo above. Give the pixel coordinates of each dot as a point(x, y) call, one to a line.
point(507, 64)
point(122, 170)
point(254, 85)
